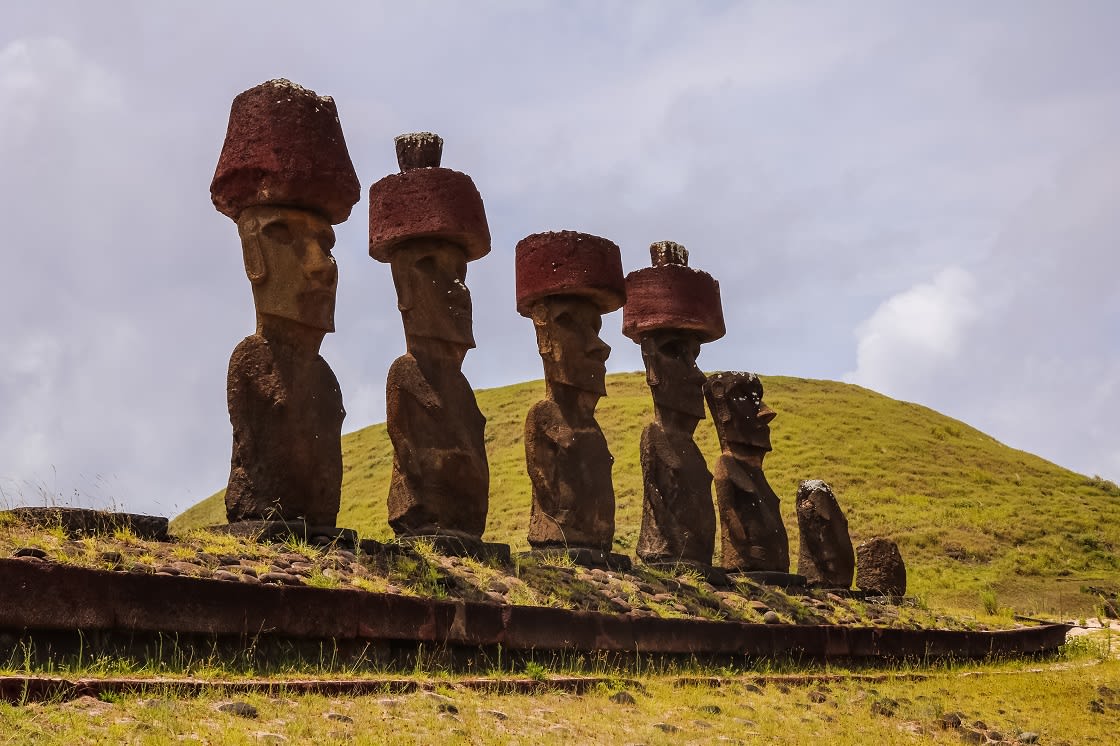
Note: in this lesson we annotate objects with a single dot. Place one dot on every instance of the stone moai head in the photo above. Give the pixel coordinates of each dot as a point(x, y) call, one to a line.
point(285, 177)
point(566, 281)
point(671, 309)
point(427, 222)
point(740, 416)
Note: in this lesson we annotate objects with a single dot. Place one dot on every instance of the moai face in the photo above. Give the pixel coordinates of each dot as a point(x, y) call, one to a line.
point(288, 259)
point(674, 379)
point(568, 341)
point(432, 294)
point(738, 410)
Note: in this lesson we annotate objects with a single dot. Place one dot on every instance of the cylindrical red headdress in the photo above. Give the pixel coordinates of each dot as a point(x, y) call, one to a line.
point(284, 146)
point(672, 296)
point(569, 263)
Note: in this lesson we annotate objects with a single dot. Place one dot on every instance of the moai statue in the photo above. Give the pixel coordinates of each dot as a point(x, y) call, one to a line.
point(753, 536)
point(566, 281)
point(880, 569)
point(427, 222)
point(670, 311)
point(825, 558)
point(285, 176)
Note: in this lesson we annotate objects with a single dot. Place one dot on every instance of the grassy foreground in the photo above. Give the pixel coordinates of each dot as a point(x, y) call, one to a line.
point(1071, 701)
point(981, 525)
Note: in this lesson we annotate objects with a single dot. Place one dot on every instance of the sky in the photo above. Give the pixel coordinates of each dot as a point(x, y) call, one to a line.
point(920, 198)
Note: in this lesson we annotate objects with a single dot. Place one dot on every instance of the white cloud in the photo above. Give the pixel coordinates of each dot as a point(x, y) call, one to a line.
point(915, 333)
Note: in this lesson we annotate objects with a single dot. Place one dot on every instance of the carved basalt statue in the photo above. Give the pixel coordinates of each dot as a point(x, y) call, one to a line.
point(566, 281)
point(670, 311)
point(753, 535)
point(285, 177)
point(826, 557)
point(427, 222)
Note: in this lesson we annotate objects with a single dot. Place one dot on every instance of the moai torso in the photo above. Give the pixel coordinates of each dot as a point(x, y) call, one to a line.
point(441, 479)
point(753, 536)
point(286, 410)
point(569, 467)
point(677, 518)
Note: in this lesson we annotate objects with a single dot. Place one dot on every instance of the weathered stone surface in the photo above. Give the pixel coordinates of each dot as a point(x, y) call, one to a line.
point(826, 557)
point(670, 317)
point(284, 175)
point(565, 282)
point(284, 146)
point(286, 410)
point(879, 568)
point(753, 537)
point(428, 222)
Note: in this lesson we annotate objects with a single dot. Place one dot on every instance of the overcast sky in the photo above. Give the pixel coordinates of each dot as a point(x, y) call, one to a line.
point(921, 198)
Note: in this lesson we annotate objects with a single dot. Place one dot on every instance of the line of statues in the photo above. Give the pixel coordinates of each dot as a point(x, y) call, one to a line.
point(285, 177)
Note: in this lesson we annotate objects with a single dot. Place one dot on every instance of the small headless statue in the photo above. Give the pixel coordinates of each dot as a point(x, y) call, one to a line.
point(428, 222)
point(566, 281)
point(753, 535)
point(284, 401)
point(670, 310)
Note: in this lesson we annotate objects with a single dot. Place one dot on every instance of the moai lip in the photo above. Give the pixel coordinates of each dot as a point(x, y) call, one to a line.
point(825, 556)
point(670, 311)
point(753, 537)
point(428, 222)
point(566, 281)
point(285, 176)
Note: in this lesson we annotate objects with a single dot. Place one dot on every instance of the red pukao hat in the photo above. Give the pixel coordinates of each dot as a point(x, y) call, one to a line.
point(670, 295)
point(424, 200)
point(569, 263)
point(284, 146)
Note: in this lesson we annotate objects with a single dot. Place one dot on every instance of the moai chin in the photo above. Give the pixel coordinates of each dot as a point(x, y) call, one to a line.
point(670, 311)
point(566, 281)
point(427, 222)
point(285, 176)
point(753, 537)
point(825, 557)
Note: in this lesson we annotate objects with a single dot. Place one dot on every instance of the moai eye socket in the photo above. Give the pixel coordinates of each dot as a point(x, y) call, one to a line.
point(277, 231)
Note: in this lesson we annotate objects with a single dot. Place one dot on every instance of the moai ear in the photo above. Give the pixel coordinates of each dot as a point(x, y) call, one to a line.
point(718, 401)
point(648, 353)
point(255, 268)
point(540, 323)
point(402, 283)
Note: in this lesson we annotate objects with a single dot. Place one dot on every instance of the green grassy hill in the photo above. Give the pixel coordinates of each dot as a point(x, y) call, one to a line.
point(977, 522)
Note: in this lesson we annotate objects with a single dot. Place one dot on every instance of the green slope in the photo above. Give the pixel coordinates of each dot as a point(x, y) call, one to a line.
point(971, 515)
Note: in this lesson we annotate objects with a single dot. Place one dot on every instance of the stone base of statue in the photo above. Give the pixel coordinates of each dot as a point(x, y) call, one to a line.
point(770, 577)
point(714, 575)
point(457, 545)
point(270, 532)
point(78, 522)
point(582, 556)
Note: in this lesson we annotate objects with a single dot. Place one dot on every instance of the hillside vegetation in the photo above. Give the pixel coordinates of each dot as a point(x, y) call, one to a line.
point(979, 523)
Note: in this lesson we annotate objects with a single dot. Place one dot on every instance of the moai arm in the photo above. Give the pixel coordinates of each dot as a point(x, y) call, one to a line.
point(660, 466)
point(412, 407)
point(252, 374)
